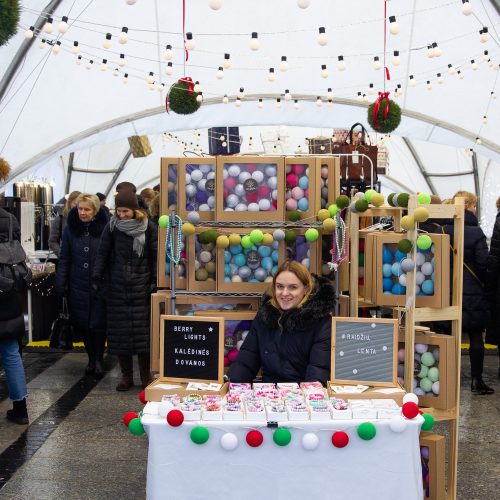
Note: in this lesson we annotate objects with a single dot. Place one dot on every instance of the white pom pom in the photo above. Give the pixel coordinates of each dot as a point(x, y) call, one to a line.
point(410, 398)
point(229, 441)
point(310, 441)
point(397, 423)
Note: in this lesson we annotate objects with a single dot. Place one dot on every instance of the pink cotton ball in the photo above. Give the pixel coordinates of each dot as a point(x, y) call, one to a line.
point(297, 193)
point(226, 361)
point(324, 173)
point(291, 204)
point(232, 355)
point(401, 355)
point(292, 180)
point(298, 169)
point(306, 193)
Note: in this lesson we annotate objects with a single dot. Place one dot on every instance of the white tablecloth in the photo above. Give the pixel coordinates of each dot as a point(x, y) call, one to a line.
point(384, 468)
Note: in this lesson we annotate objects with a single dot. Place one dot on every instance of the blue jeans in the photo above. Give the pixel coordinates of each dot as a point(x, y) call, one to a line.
point(14, 369)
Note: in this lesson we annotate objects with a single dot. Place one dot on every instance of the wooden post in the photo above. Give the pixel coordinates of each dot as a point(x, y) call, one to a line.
point(354, 264)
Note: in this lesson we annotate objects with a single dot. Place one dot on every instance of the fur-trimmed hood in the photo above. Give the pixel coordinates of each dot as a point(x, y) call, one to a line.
point(96, 226)
point(321, 303)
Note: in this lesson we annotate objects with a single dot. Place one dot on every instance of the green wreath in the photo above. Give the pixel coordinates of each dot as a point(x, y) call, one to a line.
point(9, 18)
point(181, 100)
point(385, 125)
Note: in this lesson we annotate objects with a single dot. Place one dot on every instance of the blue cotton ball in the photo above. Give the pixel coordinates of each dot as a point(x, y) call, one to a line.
point(397, 289)
point(387, 284)
point(428, 287)
point(387, 270)
point(387, 256)
point(227, 269)
point(275, 256)
point(304, 182)
point(396, 269)
point(235, 249)
point(267, 263)
point(227, 257)
point(400, 255)
point(264, 251)
point(303, 204)
point(239, 260)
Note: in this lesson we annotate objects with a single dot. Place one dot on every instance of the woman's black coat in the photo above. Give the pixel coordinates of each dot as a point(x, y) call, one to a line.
point(290, 346)
point(11, 314)
point(131, 281)
point(475, 306)
point(493, 283)
point(74, 270)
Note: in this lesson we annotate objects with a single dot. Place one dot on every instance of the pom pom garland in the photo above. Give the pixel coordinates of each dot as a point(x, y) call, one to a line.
point(229, 441)
point(310, 441)
point(410, 410)
point(342, 202)
point(175, 418)
point(135, 427)
point(429, 422)
point(127, 417)
point(367, 431)
point(163, 221)
point(282, 436)
point(254, 438)
point(199, 435)
point(340, 439)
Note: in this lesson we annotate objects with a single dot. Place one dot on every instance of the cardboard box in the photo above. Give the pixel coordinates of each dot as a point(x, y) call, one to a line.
point(328, 180)
point(202, 274)
point(163, 268)
point(242, 190)
point(169, 168)
point(370, 393)
point(140, 146)
point(301, 250)
point(302, 172)
point(446, 364)
point(155, 393)
point(435, 487)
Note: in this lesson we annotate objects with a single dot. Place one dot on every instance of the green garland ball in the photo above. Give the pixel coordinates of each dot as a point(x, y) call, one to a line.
point(390, 199)
point(385, 125)
point(256, 236)
point(361, 205)
point(163, 221)
point(180, 101)
point(311, 234)
point(342, 201)
point(429, 422)
point(135, 427)
point(333, 210)
point(402, 200)
point(424, 198)
point(368, 195)
point(290, 237)
point(404, 245)
point(282, 436)
point(199, 434)
point(294, 215)
point(424, 242)
point(8, 20)
point(367, 431)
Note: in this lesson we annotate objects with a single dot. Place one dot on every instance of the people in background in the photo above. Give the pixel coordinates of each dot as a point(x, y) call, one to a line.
point(102, 200)
point(11, 331)
point(154, 209)
point(128, 252)
point(290, 338)
point(475, 306)
point(87, 312)
point(129, 186)
point(58, 224)
point(147, 195)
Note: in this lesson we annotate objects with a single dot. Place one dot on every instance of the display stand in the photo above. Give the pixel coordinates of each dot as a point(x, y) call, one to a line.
point(410, 314)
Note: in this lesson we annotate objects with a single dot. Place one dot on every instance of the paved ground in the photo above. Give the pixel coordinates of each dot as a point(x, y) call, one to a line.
point(77, 448)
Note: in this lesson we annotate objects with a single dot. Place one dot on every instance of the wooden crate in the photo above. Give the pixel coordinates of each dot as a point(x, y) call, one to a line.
point(196, 265)
point(163, 268)
point(328, 180)
point(435, 465)
point(301, 175)
point(168, 184)
point(296, 251)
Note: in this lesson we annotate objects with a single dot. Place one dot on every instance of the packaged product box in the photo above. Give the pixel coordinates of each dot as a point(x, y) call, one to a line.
point(301, 186)
point(299, 249)
point(202, 260)
point(432, 451)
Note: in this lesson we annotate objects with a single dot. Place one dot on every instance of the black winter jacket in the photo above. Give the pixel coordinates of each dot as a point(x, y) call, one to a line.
point(74, 270)
point(475, 306)
point(11, 314)
point(131, 281)
point(296, 351)
point(493, 283)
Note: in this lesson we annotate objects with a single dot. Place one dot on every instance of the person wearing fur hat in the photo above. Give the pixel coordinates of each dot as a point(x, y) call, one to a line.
point(128, 254)
point(87, 313)
point(290, 338)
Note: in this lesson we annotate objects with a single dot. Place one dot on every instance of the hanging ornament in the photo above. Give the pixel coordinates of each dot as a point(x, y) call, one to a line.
point(384, 115)
point(182, 99)
point(271, 76)
point(412, 81)
point(121, 60)
point(367, 431)
point(322, 37)
point(229, 441)
point(56, 48)
point(303, 4)
point(466, 8)
point(220, 73)
point(474, 65)
point(283, 64)
point(484, 36)
point(47, 27)
point(396, 60)
point(296, 104)
point(175, 418)
point(324, 71)
point(398, 424)
point(225, 99)
point(123, 36)
point(340, 439)
point(437, 50)
point(28, 33)
point(376, 63)
point(430, 51)
point(439, 79)
point(168, 54)
point(288, 96)
point(451, 70)
point(319, 102)
point(260, 104)
point(215, 4)
point(429, 86)
point(226, 63)
point(341, 65)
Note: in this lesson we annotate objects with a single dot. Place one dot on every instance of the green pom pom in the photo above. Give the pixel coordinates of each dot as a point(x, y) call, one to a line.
point(256, 236)
point(429, 422)
point(402, 200)
point(8, 20)
point(390, 199)
point(342, 201)
point(246, 241)
point(209, 236)
point(424, 242)
point(361, 205)
point(312, 234)
point(404, 246)
point(333, 209)
point(290, 237)
point(181, 101)
point(368, 195)
point(163, 221)
point(385, 124)
point(367, 431)
point(424, 199)
point(135, 427)
point(199, 435)
point(294, 215)
point(282, 436)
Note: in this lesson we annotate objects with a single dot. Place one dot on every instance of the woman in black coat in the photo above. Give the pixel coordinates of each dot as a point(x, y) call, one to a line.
point(290, 337)
point(58, 223)
point(475, 306)
point(87, 313)
point(128, 253)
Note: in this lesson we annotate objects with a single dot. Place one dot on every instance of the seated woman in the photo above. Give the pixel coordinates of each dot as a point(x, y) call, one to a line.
point(291, 334)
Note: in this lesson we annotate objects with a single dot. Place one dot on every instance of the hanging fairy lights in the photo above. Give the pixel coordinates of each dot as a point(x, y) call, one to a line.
point(226, 63)
point(393, 26)
point(63, 25)
point(271, 76)
point(283, 67)
point(167, 53)
point(322, 36)
point(123, 36)
point(107, 41)
point(254, 41)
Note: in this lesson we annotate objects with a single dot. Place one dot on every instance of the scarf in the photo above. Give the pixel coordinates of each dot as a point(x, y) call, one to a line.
point(132, 227)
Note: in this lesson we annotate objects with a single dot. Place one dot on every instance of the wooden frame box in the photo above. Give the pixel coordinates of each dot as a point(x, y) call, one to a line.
point(324, 244)
point(259, 264)
point(162, 278)
point(440, 252)
point(368, 290)
point(328, 181)
point(202, 273)
point(168, 184)
point(202, 198)
point(435, 464)
point(302, 173)
point(296, 250)
point(256, 179)
point(447, 365)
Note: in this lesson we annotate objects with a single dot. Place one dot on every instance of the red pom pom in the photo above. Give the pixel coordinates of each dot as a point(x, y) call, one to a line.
point(231, 355)
point(410, 410)
point(226, 192)
point(254, 438)
point(340, 439)
point(292, 180)
point(183, 255)
point(226, 361)
point(250, 168)
point(142, 397)
point(275, 204)
point(264, 192)
point(130, 415)
point(230, 183)
point(252, 197)
point(175, 418)
point(298, 169)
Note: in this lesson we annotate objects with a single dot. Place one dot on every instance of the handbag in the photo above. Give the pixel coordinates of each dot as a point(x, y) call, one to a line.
point(15, 275)
point(61, 331)
point(357, 167)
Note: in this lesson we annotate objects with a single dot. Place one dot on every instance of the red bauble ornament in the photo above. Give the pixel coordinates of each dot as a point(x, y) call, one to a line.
point(292, 180)
point(251, 197)
point(254, 438)
point(142, 397)
point(127, 417)
point(230, 183)
point(340, 439)
point(410, 410)
point(175, 418)
point(264, 192)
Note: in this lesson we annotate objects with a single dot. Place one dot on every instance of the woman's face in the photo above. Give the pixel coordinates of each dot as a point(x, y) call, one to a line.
point(289, 290)
point(86, 211)
point(123, 213)
point(73, 203)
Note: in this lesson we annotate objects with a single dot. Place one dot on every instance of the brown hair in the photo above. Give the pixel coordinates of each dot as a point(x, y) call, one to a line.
point(302, 273)
point(498, 203)
point(71, 198)
point(470, 198)
point(147, 194)
point(91, 199)
point(154, 206)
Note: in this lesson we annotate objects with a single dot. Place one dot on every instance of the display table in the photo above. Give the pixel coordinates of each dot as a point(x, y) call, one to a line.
point(385, 468)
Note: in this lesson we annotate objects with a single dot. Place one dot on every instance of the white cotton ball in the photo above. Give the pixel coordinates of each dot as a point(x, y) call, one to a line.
point(234, 170)
point(190, 191)
point(211, 201)
point(236, 279)
point(232, 200)
point(241, 207)
point(420, 258)
point(410, 398)
point(188, 179)
point(427, 268)
point(196, 175)
point(239, 190)
point(258, 176)
point(310, 441)
point(229, 441)
point(253, 207)
point(264, 205)
point(270, 171)
point(272, 182)
point(244, 176)
point(210, 175)
point(398, 423)
point(421, 348)
point(204, 208)
point(419, 277)
point(205, 169)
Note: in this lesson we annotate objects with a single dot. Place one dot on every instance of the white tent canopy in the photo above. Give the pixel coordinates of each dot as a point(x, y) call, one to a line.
point(51, 107)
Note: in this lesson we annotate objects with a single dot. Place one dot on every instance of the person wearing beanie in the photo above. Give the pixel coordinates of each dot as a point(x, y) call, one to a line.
point(127, 256)
point(102, 201)
point(125, 186)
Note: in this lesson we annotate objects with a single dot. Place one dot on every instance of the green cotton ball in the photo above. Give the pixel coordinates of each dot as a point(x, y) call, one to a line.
point(361, 205)
point(368, 195)
point(367, 431)
point(256, 236)
point(433, 374)
point(361, 259)
point(311, 234)
point(246, 241)
point(429, 422)
point(424, 242)
point(426, 385)
point(290, 237)
point(424, 371)
point(342, 201)
point(427, 359)
point(404, 246)
point(210, 236)
point(424, 198)
point(135, 427)
point(163, 221)
point(199, 435)
point(402, 200)
point(333, 209)
point(390, 199)
point(282, 436)
point(294, 215)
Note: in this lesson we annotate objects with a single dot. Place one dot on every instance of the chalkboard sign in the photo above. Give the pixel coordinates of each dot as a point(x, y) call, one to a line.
point(192, 349)
point(364, 351)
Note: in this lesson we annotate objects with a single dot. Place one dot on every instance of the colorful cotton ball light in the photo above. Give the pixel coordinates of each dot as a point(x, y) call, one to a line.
point(234, 239)
point(175, 418)
point(127, 417)
point(311, 234)
point(246, 242)
point(193, 217)
point(329, 225)
point(282, 436)
point(410, 410)
point(163, 221)
point(294, 216)
point(421, 214)
point(361, 205)
point(429, 422)
point(254, 438)
point(310, 441)
point(424, 242)
point(402, 200)
point(290, 237)
point(142, 397)
point(424, 198)
point(323, 214)
point(278, 235)
point(390, 199)
point(334, 209)
point(427, 359)
point(135, 427)
point(340, 439)
point(256, 236)
point(222, 241)
point(188, 229)
point(404, 246)
point(342, 201)
point(408, 222)
point(377, 199)
point(369, 194)
point(367, 431)
point(229, 441)
point(199, 435)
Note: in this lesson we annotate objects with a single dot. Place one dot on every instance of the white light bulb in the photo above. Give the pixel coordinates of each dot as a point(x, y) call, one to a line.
point(190, 44)
point(241, 93)
point(283, 64)
point(478, 141)
point(63, 25)
point(376, 63)
point(125, 78)
point(413, 82)
point(199, 98)
point(341, 65)
point(490, 63)
point(271, 76)
point(107, 41)
point(493, 96)
point(41, 43)
point(75, 49)
point(215, 4)
point(303, 4)
point(324, 71)
point(371, 90)
point(466, 8)
point(168, 54)
point(56, 48)
point(296, 104)
point(360, 97)
point(437, 50)
point(319, 102)
point(485, 120)
point(47, 27)
point(197, 87)
point(123, 36)
point(220, 73)
point(226, 64)
point(322, 37)
point(150, 78)
point(279, 104)
point(288, 96)
point(30, 32)
point(161, 87)
point(89, 64)
point(104, 65)
point(439, 78)
point(329, 103)
point(79, 60)
point(474, 65)
point(484, 36)
point(121, 60)
point(451, 69)
point(238, 102)
point(169, 70)
point(329, 93)
point(460, 75)
point(429, 86)
point(260, 104)
point(430, 51)
point(152, 86)
point(130, 2)
point(225, 99)
point(254, 41)
point(396, 60)
point(393, 25)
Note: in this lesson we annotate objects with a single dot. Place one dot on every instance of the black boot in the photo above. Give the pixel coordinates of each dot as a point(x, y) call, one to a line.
point(127, 368)
point(99, 345)
point(89, 347)
point(19, 412)
point(144, 363)
point(478, 386)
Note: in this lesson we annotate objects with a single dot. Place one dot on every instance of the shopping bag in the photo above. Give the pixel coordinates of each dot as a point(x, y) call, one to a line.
point(61, 332)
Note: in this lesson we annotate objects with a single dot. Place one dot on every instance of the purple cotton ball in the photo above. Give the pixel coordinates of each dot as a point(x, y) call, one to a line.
point(201, 196)
point(424, 452)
